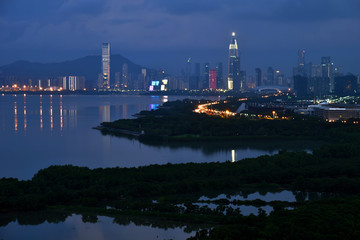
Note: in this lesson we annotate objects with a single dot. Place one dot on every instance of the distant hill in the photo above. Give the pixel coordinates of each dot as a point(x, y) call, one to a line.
point(89, 67)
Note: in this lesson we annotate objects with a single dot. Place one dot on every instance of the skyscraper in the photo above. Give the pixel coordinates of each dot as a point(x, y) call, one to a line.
point(219, 76)
point(327, 71)
point(205, 80)
point(326, 67)
point(301, 64)
point(234, 65)
point(258, 77)
point(124, 77)
point(270, 76)
point(106, 65)
point(212, 79)
point(195, 78)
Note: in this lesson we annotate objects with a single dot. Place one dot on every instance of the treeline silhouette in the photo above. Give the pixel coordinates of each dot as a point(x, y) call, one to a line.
point(176, 121)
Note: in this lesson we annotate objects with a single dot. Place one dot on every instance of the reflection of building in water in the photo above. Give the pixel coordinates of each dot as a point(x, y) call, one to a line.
point(15, 117)
point(41, 113)
point(233, 156)
point(165, 99)
point(25, 122)
point(125, 111)
point(153, 106)
point(61, 114)
point(51, 113)
point(104, 113)
point(72, 116)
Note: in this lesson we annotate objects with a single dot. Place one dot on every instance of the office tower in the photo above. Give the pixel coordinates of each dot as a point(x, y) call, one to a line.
point(117, 79)
point(338, 71)
point(143, 84)
point(124, 77)
point(327, 71)
point(212, 79)
point(195, 79)
point(345, 85)
point(258, 77)
point(71, 83)
point(301, 58)
point(205, 80)
point(242, 80)
point(316, 70)
point(106, 65)
point(270, 76)
point(300, 85)
point(188, 73)
point(219, 76)
point(234, 65)
point(280, 81)
point(300, 70)
point(319, 86)
point(326, 67)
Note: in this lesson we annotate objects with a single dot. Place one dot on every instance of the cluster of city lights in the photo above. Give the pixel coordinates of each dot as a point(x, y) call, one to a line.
point(204, 108)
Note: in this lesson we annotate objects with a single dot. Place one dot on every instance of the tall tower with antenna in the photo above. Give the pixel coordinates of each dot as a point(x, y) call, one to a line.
point(234, 65)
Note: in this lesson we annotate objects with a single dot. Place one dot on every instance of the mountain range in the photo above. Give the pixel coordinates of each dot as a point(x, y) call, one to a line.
point(89, 67)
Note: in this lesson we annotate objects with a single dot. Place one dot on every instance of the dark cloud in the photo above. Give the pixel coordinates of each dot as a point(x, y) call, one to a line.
point(139, 25)
point(294, 10)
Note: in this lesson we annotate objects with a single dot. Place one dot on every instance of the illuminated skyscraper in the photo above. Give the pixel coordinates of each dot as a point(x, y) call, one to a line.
point(300, 69)
point(234, 65)
point(212, 79)
point(106, 65)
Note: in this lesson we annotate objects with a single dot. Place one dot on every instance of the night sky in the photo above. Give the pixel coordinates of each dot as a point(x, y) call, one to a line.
point(165, 33)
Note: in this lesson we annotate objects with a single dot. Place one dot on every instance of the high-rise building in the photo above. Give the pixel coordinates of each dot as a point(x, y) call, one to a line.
point(300, 85)
point(345, 85)
point(234, 65)
point(280, 80)
point(188, 73)
point(124, 77)
point(106, 65)
point(212, 79)
point(258, 77)
point(327, 71)
point(319, 86)
point(270, 76)
point(117, 79)
point(219, 76)
point(300, 69)
point(205, 80)
point(195, 78)
point(72, 83)
point(242, 80)
point(316, 70)
point(326, 67)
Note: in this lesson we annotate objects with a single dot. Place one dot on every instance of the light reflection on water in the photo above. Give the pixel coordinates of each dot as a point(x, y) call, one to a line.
point(105, 228)
point(37, 131)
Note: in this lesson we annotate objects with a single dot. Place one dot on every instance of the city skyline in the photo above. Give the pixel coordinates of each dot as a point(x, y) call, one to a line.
point(152, 33)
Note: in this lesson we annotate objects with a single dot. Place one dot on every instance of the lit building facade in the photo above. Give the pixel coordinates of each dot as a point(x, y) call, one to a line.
point(105, 65)
point(234, 65)
point(212, 79)
point(335, 112)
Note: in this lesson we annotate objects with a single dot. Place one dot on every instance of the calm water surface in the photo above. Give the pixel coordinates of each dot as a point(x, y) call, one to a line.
point(38, 131)
point(105, 228)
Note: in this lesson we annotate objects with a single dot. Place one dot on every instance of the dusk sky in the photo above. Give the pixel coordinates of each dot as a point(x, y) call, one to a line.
point(164, 33)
